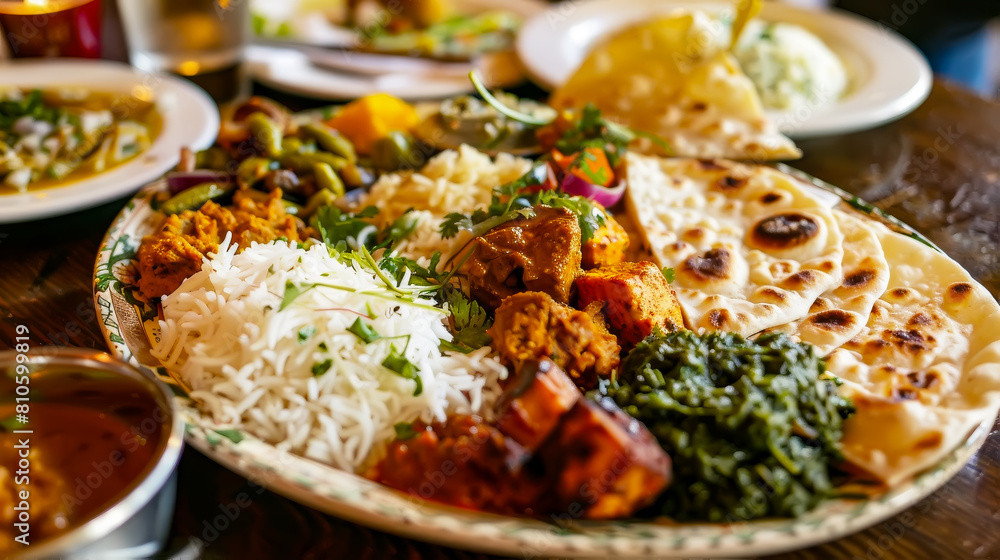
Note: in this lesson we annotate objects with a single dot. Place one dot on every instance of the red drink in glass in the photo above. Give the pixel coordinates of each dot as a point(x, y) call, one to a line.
point(69, 28)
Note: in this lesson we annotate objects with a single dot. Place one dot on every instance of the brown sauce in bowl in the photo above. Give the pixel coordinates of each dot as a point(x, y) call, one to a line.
point(90, 438)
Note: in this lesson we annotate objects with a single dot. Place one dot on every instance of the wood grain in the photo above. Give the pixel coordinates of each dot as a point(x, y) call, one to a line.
point(952, 196)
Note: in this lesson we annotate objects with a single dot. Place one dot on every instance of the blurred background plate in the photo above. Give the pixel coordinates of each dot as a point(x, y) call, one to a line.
point(297, 71)
point(888, 76)
point(313, 57)
point(190, 118)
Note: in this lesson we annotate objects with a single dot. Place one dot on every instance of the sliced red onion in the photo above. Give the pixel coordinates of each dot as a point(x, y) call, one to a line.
point(178, 181)
point(605, 196)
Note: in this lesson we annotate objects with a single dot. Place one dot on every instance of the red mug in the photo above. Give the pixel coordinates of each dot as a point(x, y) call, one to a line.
point(67, 28)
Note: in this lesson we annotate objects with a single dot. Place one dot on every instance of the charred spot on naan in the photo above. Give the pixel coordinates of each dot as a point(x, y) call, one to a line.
point(920, 319)
point(712, 165)
point(880, 309)
point(768, 294)
point(722, 319)
point(784, 231)
point(901, 295)
point(859, 278)
point(923, 379)
point(694, 234)
point(821, 304)
point(729, 182)
point(718, 318)
point(827, 266)
point(930, 441)
point(714, 264)
point(834, 320)
point(859, 281)
point(781, 268)
point(958, 294)
point(908, 341)
point(770, 198)
point(802, 279)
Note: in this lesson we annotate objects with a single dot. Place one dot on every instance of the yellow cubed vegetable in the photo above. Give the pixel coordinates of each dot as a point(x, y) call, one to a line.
point(372, 117)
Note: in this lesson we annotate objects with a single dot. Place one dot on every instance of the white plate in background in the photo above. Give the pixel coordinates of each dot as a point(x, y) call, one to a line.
point(190, 118)
point(291, 68)
point(888, 76)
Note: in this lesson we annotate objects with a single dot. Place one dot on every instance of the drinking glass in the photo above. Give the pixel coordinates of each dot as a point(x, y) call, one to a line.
point(202, 40)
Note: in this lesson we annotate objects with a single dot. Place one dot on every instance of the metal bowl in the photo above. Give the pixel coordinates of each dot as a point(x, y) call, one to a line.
point(136, 524)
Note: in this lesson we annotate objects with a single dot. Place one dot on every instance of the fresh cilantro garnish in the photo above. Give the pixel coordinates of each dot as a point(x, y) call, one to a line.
point(507, 203)
point(404, 296)
point(234, 436)
point(343, 230)
point(364, 331)
point(593, 130)
point(31, 105)
point(468, 323)
point(306, 332)
point(404, 431)
point(401, 228)
point(419, 275)
point(767, 34)
point(535, 177)
point(397, 363)
point(516, 200)
point(480, 222)
point(319, 368)
point(292, 291)
point(668, 273)
point(588, 215)
point(600, 176)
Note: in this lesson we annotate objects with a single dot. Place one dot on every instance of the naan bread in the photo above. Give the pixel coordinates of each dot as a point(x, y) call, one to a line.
point(750, 247)
point(925, 370)
point(840, 314)
point(672, 77)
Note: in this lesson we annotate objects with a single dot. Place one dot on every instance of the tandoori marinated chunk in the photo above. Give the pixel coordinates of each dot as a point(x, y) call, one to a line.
point(605, 463)
point(534, 404)
point(607, 246)
point(540, 254)
point(175, 252)
point(636, 299)
point(532, 325)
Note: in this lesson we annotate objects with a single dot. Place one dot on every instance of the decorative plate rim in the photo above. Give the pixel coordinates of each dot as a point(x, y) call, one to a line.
point(354, 498)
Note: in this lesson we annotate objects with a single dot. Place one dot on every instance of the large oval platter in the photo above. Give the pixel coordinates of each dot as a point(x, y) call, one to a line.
point(129, 325)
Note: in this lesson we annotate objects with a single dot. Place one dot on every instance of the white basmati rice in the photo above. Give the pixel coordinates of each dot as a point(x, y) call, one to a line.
point(249, 360)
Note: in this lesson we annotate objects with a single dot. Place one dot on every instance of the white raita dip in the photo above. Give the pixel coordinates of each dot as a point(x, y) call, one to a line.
point(791, 68)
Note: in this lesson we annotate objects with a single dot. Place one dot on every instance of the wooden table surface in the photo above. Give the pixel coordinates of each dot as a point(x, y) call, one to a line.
point(938, 169)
